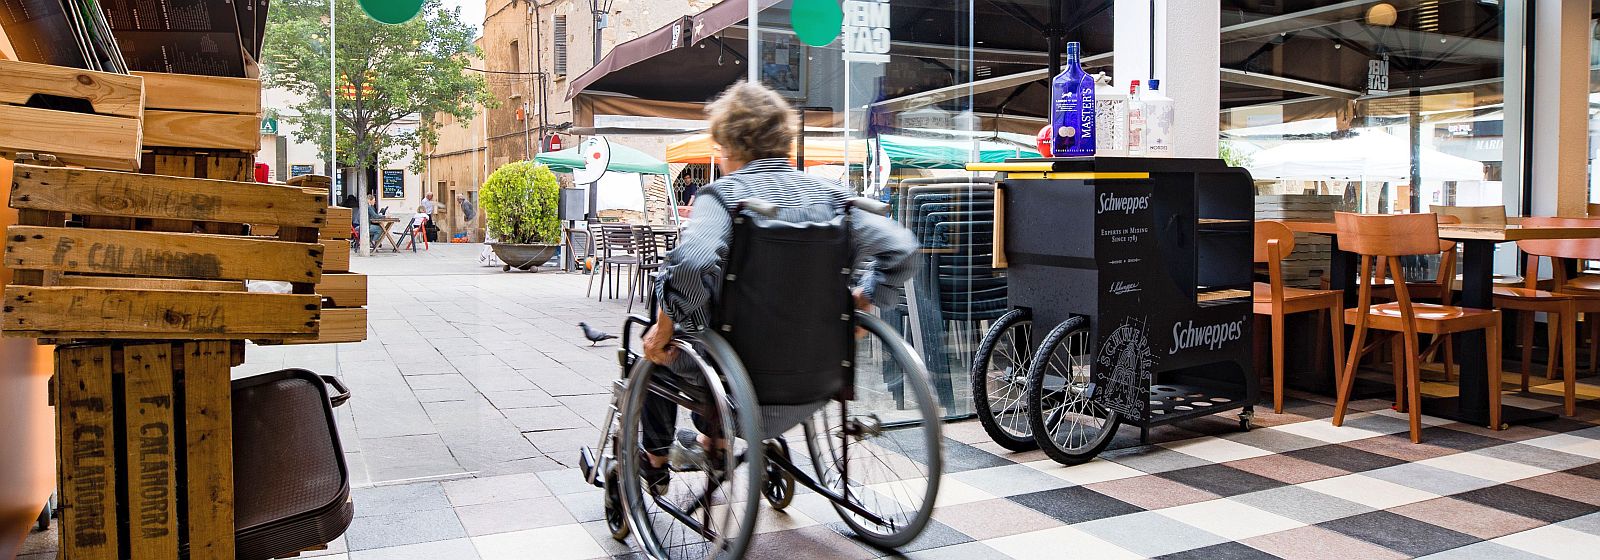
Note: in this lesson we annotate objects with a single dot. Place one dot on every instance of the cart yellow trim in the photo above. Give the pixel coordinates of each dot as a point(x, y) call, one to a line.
point(1068, 175)
point(1012, 166)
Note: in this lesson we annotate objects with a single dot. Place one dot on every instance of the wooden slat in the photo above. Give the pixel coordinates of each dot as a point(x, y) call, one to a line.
point(152, 464)
point(188, 92)
point(87, 434)
point(208, 424)
point(151, 283)
point(110, 94)
point(344, 289)
point(339, 220)
point(1470, 233)
point(110, 193)
point(162, 255)
point(338, 325)
point(181, 129)
point(232, 167)
point(99, 141)
point(64, 312)
point(335, 255)
point(323, 182)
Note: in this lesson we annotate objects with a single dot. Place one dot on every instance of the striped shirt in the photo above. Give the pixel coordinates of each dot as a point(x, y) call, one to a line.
point(693, 271)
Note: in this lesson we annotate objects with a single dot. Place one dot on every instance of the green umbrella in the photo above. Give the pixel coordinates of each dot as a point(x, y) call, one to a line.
point(930, 153)
point(623, 159)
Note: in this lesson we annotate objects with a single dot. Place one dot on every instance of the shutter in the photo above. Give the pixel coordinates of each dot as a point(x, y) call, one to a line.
point(560, 39)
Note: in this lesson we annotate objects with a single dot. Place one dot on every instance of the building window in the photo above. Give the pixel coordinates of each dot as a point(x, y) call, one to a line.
point(559, 38)
point(516, 57)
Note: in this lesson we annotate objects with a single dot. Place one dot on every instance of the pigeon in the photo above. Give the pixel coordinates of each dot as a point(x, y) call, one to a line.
point(595, 336)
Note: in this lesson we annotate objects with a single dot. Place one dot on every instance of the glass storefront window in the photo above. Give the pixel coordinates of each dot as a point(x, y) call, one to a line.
point(1394, 107)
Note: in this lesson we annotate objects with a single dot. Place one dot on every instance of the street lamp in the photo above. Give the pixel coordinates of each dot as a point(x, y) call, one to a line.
point(601, 10)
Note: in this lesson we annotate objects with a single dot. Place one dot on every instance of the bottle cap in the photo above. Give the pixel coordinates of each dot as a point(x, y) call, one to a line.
point(1155, 85)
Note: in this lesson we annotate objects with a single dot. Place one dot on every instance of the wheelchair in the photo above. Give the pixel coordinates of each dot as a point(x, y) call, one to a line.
point(872, 450)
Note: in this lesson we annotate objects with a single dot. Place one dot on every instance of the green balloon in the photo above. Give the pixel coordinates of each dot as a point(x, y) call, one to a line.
point(817, 22)
point(393, 12)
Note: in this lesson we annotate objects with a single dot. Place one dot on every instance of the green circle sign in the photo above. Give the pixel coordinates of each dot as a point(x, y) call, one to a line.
point(393, 12)
point(817, 22)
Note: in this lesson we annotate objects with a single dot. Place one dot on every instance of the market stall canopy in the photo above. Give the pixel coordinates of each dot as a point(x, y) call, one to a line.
point(936, 153)
point(819, 151)
point(623, 159)
point(1371, 156)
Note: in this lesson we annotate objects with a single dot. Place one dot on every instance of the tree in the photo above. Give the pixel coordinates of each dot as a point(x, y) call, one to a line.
point(387, 73)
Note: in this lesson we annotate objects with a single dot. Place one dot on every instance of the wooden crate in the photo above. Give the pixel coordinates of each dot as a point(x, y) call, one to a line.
point(124, 255)
point(171, 401)
point(105, 133)
point(187, 111)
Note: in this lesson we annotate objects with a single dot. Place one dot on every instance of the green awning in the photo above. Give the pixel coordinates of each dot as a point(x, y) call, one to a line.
point(929, 153)
point(623, 159)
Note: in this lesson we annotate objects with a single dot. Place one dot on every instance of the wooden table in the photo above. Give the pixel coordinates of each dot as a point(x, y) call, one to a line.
point(1477, 290)
point(385, 225)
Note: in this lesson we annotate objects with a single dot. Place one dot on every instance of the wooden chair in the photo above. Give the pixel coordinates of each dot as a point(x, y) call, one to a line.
point(1386, 238)
point(1565, 252)
point(1563, 309)
point(1273, 242)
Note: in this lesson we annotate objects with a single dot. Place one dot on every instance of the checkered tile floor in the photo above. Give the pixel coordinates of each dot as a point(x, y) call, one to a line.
point(1297, 487)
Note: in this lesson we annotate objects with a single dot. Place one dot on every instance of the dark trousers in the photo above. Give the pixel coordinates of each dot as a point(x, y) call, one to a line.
point(660, 419)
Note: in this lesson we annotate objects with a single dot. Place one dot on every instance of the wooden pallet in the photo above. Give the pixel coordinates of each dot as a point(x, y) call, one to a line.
point(187, 111)
point(105, 131)
point(344, 293)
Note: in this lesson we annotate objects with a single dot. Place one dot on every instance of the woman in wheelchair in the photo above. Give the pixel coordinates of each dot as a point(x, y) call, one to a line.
point(765, 324)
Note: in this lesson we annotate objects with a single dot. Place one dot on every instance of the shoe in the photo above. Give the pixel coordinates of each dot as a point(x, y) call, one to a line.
point(686, 455)
point(655, 478)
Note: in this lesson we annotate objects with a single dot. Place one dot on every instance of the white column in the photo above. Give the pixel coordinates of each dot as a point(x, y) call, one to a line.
point(1560, 102)
point(1186, 33)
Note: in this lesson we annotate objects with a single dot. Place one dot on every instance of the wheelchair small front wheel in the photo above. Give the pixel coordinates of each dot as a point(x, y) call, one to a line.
point(778, 488)
point(1068, 423)
point(616, 515)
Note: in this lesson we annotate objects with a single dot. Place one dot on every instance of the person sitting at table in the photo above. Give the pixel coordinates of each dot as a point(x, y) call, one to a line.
point(374, 230)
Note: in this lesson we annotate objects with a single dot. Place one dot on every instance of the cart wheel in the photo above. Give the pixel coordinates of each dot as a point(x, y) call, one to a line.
point(616, 518)
point(1069, 424)
point(778, 488)
point(1000, 381)
point(505, 268)
point(1247, 420)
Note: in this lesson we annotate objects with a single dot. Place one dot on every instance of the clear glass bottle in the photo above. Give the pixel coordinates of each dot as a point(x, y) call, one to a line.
point(1072, 108)
point(1136, 120)
point(1159, 115)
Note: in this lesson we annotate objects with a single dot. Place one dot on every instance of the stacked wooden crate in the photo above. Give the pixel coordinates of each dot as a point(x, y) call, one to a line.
point(344, 293)
point(147, 315)
point(1305, 266)
point(140, 279)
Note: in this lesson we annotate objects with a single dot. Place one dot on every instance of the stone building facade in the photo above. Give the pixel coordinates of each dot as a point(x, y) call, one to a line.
point(532, 51)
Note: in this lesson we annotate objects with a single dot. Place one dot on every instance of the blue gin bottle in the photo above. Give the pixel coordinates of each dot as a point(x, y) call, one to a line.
point(1072, 108)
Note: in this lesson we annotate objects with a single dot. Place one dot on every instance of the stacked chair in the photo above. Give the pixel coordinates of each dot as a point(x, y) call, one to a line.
point(957, 290)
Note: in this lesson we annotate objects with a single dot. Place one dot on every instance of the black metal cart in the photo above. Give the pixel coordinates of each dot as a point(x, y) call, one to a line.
point(1138, 274)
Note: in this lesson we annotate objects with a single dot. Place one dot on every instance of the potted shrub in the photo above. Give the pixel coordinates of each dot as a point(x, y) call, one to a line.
point(519, 203)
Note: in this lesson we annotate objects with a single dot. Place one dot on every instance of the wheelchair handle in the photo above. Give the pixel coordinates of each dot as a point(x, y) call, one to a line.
point(874, 206)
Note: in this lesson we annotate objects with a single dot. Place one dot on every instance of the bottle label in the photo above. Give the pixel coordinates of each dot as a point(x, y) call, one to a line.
point(1111, 125)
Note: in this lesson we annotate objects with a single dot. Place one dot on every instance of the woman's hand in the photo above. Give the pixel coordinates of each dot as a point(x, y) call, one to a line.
point(864, 305)
point(658, 346)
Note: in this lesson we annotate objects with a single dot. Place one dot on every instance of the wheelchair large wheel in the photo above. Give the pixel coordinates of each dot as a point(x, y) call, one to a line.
point(1000, 381)
point(1069, 425)
point(881, 451)
point(708, 507)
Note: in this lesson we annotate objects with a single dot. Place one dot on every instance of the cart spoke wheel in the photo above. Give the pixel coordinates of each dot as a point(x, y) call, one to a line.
point(1000, 381)
point(1070, 425)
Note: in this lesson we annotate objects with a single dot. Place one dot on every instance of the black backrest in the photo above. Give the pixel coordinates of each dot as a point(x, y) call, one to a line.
point(785, 306)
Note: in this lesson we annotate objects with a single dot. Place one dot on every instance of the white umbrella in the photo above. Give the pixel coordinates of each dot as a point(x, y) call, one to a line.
point(1371, 156)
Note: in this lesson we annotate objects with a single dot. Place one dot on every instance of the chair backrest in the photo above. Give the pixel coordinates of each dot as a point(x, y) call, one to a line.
point(1473, 215)
point(1588, 249)
point(1388, 235)
point(618, 238)
point(1268, 231)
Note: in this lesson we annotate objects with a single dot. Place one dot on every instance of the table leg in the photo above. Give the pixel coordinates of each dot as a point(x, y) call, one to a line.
point(1472, 406)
